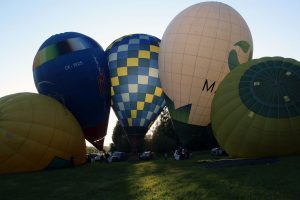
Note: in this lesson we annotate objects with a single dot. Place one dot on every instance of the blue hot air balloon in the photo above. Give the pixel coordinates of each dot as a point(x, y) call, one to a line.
point(137, 96)
point(72, 68)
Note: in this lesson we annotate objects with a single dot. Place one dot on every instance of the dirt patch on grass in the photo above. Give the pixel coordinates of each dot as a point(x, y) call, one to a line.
point(211, 164)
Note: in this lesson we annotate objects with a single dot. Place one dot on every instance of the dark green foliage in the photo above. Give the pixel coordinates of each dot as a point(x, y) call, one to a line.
point(120, 139)
point(195, 137)
point(147, 145)
point(90, 149)
point(164, 138)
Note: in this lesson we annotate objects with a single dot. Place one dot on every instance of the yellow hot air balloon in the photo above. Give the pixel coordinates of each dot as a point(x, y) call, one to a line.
point(256, 110)
point(37, 132)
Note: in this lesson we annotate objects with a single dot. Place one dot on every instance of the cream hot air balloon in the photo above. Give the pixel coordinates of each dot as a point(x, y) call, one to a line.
point(199, 47)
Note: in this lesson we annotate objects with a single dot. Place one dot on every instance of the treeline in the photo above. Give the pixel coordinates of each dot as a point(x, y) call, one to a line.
point(163, 138)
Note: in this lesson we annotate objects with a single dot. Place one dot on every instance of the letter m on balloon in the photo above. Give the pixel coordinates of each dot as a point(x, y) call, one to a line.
point(208, 87)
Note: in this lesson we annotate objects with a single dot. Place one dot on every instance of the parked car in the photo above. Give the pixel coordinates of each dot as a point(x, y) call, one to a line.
point(218, 152)
point(117, 156)
point(147, 155)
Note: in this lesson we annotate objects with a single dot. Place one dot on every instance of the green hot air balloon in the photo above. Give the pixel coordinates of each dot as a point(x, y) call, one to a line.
point(256, 109)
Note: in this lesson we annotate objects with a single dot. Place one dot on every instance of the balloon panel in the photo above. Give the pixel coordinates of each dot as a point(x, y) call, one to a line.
point(255, 112)
point(194, 137)
point(137, 96)
point(36, 132)
point(199, 47)
point(271, 96)
point(72, 68)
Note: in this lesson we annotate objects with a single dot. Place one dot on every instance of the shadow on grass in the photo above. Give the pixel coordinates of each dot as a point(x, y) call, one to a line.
point(157, 179)
point(91, 181)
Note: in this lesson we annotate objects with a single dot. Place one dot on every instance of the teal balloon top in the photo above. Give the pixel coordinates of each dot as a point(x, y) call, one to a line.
point(269, 88)
point(256, 109)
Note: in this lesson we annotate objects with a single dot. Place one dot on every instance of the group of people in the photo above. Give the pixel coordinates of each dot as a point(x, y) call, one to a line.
point(182, 154)
point(179, 154)
point(91, 158)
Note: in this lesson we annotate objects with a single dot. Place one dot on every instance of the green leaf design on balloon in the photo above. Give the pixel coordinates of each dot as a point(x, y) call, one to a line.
point(233, 60)
point(180, 114)
point(243, 45)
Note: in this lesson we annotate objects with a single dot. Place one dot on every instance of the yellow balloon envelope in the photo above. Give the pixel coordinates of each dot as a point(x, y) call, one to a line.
point(37, 132)
point(256, 110)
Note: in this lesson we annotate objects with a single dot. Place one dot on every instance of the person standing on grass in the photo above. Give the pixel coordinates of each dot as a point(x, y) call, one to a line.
point(106, 157)
point(166, 156)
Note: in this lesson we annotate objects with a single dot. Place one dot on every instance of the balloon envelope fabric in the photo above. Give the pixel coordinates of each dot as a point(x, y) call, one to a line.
point(137, 96)
point(199, 47)
point(72, 68)
point(256, 109)
point(37, 132)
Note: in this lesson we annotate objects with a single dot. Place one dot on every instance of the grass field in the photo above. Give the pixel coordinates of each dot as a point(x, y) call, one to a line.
point(158, 179)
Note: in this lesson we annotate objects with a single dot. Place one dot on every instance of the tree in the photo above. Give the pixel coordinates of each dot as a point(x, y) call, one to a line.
point(120, 139)
point(147, 145)
point(164, 138)
point(91, 149)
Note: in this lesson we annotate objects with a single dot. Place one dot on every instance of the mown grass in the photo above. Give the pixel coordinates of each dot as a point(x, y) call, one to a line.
point(159, 179)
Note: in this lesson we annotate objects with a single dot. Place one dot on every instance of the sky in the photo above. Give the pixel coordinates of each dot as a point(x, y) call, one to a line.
point(25, 25)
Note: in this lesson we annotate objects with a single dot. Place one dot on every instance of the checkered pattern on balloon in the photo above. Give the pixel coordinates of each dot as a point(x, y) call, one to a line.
point(137, 96)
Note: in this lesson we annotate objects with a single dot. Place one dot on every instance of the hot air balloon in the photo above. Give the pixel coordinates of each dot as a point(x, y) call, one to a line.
point(37, 132)
point(199, 47)
point(72, 68)
point(256, 109)
point(137, 96)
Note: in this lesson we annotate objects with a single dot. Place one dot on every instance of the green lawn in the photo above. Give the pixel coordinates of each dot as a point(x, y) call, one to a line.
point(158, 179)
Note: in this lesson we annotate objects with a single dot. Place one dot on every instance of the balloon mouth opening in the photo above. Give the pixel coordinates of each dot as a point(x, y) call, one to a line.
point(96, 135)
point(136, 137)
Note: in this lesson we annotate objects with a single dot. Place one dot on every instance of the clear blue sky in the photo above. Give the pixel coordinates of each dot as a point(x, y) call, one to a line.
point(25, 25)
